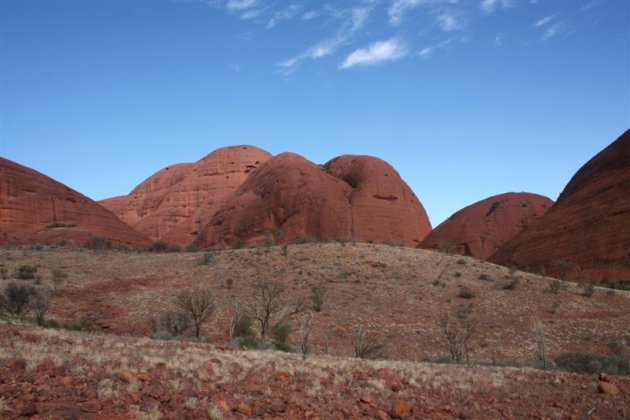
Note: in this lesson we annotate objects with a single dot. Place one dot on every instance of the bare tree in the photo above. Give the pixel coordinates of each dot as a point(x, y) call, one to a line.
point(306, 326)
point(197, 304)
point(540, 347)
point(269, 306)
point(457, 330)
point(365, 347)
point(40, 304)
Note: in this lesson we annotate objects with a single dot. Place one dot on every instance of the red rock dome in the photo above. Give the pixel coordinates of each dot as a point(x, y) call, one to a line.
point(481, 228)
point(36, 208)
point(588, 227)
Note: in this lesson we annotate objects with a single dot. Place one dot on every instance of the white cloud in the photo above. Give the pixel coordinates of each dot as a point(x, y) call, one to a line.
point(399, 7)
point(489, 6)
point(310, 15)
point(449, 22)
point(498, 40)
point(376, 53)
point(285, 14)
point(426, 52)
point(240, 4)
point(354, 20)
point(543, 21)
point(551, 32)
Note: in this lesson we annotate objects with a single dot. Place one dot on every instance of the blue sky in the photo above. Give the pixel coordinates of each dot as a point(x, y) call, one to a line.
point(466, 99)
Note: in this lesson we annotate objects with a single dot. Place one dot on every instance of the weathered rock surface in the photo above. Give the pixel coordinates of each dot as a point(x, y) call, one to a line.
point(383, 206)
point(36, 208)
point(588, 227)
point(290, 197)
point(175, 202)
point(481, 228)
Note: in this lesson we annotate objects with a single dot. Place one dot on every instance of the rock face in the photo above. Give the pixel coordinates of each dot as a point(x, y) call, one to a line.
point(36, 208)
point(481, 228)
point(586, 233)
point(289, 197)
point(174, 203)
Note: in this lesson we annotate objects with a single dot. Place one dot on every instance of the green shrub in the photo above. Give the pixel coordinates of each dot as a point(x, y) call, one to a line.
point(593, 363)
point(98, 243)
point(466, 292)
point(83, 324)
point(484, 277)
point(207, 258)
point(618, 285)
point(554, 286)
point(191, 248)
point(163, 246)
point(25, 272)
point(280, 332)
point(17, 297)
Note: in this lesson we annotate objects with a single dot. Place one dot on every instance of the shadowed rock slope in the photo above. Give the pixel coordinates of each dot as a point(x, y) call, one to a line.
point(481, 228)
point(289, 197)
point(586, 233)
point(36, 208)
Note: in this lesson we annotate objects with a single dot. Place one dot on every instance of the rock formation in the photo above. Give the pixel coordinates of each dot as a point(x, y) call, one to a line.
point(288, 197)
point(36, 208)
point(481, 228)
point(586, 233)
point(174, 203)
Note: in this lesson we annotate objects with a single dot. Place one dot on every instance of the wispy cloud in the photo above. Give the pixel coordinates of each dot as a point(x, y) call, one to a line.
point(489, 6)
point(240, 4)
point(551, 32)
point(427, 52)
point(310, 15)
point(450, 22)
point(543, 21)
point(353, 20)
point(376, 53)
point(284, 14)
point(398, 8)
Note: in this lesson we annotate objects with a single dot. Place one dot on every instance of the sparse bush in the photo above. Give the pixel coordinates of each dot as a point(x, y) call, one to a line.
point(563, 267)
point(458, 274)
point(484, 277)
point(511, 285)
point(169, 325)
point(197, 304)
point(40, 304)
point(191, 248)
point(162, 247)
point(98, 243)
point(317, 297)
point(540, 345)
point(593, 363)
point(619, 285)
point(306, 326)
point(4, 273)
point(466, 292)
point(284, 250)
point(208, 257)
point(554, 286)
point(238, 243)
point(17, 298)
point(83, 324)
point(587, 288)
point(461, 261)
point(280, 331)
point(303, 240)
point(25, 272)
point(457, 330)
point(366, 347)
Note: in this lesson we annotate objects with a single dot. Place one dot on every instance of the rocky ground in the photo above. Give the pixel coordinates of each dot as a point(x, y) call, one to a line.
point(56, 374)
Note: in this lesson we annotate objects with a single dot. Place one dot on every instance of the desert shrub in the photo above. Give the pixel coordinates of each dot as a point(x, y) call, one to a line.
point(458, 274)
point(619, 285)
point(303, 240)
point(4, 273)
point(511, 285)
point(168, 325)
point(238, 243)
point(36, 247)
point(587, 288)
point(207, 258)
point(98, 243)
point(17, 297)
point(59, 276)
point(82, 324)
point(25, 272)
point(554, 286)
point(366, 347)
point(280, 331)
point(563, 267)
point(461, 261)
point(40, 304)
point(191, 248)
point(284, 250)
point(593, 363)
point(197, 304)
point(466, 292)
point(484, 277)
point(457, 328)
point(162, 247)
point(317, 297)
point(242, 326)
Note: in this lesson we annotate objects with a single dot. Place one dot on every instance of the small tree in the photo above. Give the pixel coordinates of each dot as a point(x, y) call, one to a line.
point(365, 347)
point(269, 307)
point(197, 304)
point(17, 297)
point(457, 332)
point(41, 303)
point(540, 347)
point(317, 297)
point(306, 326)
